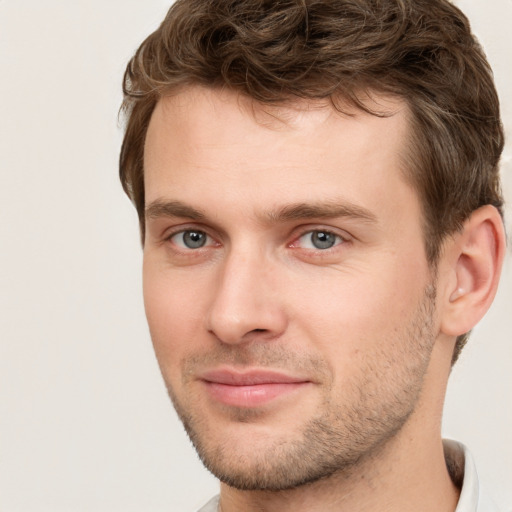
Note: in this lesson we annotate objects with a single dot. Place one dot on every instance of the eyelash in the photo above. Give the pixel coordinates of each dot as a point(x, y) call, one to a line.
point(338, 240)
point(170, 236)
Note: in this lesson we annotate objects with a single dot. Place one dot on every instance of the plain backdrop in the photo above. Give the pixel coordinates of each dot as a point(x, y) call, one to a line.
point(85, 422)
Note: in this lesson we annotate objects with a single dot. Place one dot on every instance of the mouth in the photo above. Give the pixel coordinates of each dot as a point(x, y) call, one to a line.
point(250, 388)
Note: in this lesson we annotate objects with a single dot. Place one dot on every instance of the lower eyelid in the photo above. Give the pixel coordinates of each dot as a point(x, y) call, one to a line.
point(339, 240)
point(180, 235)
point(210, 242)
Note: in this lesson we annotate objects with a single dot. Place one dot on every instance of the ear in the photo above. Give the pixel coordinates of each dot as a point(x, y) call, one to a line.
point(474, 257)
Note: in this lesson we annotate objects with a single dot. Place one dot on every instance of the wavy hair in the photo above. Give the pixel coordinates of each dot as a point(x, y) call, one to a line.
point(274, 51)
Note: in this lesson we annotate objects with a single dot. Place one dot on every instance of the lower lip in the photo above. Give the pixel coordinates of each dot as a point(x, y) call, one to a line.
point(250, 396)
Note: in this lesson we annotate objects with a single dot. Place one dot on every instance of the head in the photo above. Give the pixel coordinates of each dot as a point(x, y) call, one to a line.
point(350, 141)
point(275, 52)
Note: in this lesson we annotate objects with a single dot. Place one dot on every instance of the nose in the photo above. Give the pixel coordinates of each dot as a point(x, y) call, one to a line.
point(246, 304)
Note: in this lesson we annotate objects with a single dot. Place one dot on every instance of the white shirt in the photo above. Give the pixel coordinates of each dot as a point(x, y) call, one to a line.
point(463, 472)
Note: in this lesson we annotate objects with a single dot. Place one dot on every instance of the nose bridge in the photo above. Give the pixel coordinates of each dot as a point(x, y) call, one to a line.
point(245, 303)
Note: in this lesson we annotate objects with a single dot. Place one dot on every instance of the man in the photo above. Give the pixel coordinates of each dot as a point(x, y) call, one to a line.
point(319, 202)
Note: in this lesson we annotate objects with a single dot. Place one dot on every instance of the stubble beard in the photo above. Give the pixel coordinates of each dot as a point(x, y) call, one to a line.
point(339, 439)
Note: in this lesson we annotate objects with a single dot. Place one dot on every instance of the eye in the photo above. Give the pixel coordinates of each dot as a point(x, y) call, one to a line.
point(190, 239)
point(319, 239)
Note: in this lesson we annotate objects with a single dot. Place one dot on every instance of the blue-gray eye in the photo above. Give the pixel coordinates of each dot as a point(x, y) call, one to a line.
point(190, 239)
point(319, 240)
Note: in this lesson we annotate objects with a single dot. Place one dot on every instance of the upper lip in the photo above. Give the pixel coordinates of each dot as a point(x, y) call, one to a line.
point(249, 377)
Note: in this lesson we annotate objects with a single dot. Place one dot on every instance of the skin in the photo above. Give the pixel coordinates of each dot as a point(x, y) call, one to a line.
point(364, 325)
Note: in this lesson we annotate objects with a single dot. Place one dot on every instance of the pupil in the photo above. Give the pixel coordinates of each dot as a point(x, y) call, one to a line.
point(194, 239)
point(323, 240)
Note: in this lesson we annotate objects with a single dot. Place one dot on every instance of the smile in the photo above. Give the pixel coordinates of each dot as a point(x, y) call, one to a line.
point(249, 389)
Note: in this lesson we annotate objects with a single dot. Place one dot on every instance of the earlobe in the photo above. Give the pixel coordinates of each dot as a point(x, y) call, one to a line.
point(477, 254)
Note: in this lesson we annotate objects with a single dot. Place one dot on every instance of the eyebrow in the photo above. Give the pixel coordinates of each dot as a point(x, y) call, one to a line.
point(291, 212)
point(159, 208)
point(327, 210)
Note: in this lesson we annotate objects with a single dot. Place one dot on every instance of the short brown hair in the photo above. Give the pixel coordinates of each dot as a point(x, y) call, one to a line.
point(275, 50)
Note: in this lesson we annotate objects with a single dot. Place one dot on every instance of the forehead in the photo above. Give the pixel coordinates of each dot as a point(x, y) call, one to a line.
point(223, 106)
point(207, 141)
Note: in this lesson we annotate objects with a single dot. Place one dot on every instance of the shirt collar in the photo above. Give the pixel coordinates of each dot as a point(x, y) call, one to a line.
point(461, 467)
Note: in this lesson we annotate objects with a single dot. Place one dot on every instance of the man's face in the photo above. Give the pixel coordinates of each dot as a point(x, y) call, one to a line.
point(285, 282)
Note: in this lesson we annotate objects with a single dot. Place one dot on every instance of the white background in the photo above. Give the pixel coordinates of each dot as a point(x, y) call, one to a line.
point(85, 423)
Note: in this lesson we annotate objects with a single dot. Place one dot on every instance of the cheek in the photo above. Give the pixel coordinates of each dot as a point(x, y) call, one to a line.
point(354, 312)
point(173, 311)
